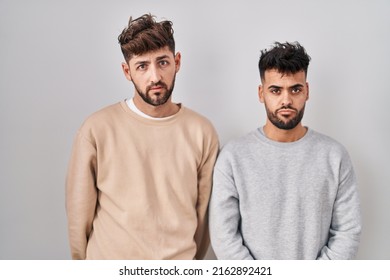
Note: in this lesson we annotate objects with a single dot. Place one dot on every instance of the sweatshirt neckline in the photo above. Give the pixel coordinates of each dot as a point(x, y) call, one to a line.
point(162, 122)
point(259, 133)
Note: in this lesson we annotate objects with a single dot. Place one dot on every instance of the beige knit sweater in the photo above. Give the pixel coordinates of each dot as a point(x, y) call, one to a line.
point(139, 188)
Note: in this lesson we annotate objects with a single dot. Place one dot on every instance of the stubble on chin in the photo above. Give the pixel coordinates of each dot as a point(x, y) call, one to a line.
point(285, 125)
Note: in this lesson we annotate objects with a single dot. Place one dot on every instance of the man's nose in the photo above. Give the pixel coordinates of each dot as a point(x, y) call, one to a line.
point(155, 76)
point(286, 98)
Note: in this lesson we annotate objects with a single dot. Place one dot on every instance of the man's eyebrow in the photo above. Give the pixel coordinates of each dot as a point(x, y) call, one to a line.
point(162, 57)
point(279, 87)
point(296, 85)
point(148, 62)
point(142, 62)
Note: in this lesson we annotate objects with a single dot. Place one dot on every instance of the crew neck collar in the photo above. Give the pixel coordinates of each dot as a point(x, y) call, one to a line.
point(152, 121)
point(260, 134)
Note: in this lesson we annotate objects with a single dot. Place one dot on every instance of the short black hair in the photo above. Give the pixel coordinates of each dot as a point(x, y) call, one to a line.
point(286, 58)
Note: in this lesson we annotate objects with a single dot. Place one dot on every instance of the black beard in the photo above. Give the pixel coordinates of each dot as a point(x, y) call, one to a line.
point(159, 101)
point(285, 125)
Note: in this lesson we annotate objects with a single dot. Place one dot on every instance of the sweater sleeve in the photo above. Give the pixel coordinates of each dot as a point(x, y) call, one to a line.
point(205, 174)
point(345, 229)
point(225, 218)
point(81, 195)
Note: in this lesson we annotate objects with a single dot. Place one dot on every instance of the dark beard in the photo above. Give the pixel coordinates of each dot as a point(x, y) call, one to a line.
point(285, 125)
point(161, 99)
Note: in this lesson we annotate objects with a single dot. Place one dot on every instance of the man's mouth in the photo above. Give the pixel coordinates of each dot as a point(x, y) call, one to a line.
point(286, 112)
point(157, 87)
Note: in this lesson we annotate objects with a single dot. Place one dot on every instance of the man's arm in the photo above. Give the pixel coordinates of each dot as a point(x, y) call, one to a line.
point(81, 195)
point(345, 229)
point(226, 238)
point(205, 174)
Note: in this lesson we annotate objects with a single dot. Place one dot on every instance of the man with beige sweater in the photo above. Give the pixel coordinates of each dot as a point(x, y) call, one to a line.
point(140, 173)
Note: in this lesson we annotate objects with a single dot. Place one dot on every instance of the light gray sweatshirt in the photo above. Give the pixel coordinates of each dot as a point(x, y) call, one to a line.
point(273, 200)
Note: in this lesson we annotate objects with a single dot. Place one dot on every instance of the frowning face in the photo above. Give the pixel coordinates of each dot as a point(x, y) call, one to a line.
point(153, 75)
point(284, 97)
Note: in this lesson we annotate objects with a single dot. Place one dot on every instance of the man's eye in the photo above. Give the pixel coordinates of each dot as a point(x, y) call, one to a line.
point(275, 91)
point(296, 90)
point(163, 63)
point(141, 67)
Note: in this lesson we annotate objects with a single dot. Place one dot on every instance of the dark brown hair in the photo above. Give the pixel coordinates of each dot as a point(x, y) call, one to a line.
point(144, 34)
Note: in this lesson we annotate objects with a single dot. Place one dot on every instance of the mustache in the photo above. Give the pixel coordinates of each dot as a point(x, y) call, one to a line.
point(158, 84)
point(286, 107)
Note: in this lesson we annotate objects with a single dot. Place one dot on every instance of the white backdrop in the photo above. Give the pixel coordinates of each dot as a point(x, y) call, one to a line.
point(60, 62)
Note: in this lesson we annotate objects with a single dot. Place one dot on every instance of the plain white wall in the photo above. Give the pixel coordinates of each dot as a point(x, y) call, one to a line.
point(60, 62)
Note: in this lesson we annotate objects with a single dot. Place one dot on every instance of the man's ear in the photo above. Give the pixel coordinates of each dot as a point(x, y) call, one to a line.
point(261, 93)
point(307, 95)
point(126, 71)
point(177, 61)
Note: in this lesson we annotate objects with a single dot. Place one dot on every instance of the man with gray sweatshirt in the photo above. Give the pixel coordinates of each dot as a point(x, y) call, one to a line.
point(284, 191)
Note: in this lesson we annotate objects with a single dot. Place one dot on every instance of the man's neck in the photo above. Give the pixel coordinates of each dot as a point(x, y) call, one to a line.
point(282, 135)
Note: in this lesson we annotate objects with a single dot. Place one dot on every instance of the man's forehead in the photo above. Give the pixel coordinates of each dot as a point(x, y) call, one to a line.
point(152, 55)
point(275, 74)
